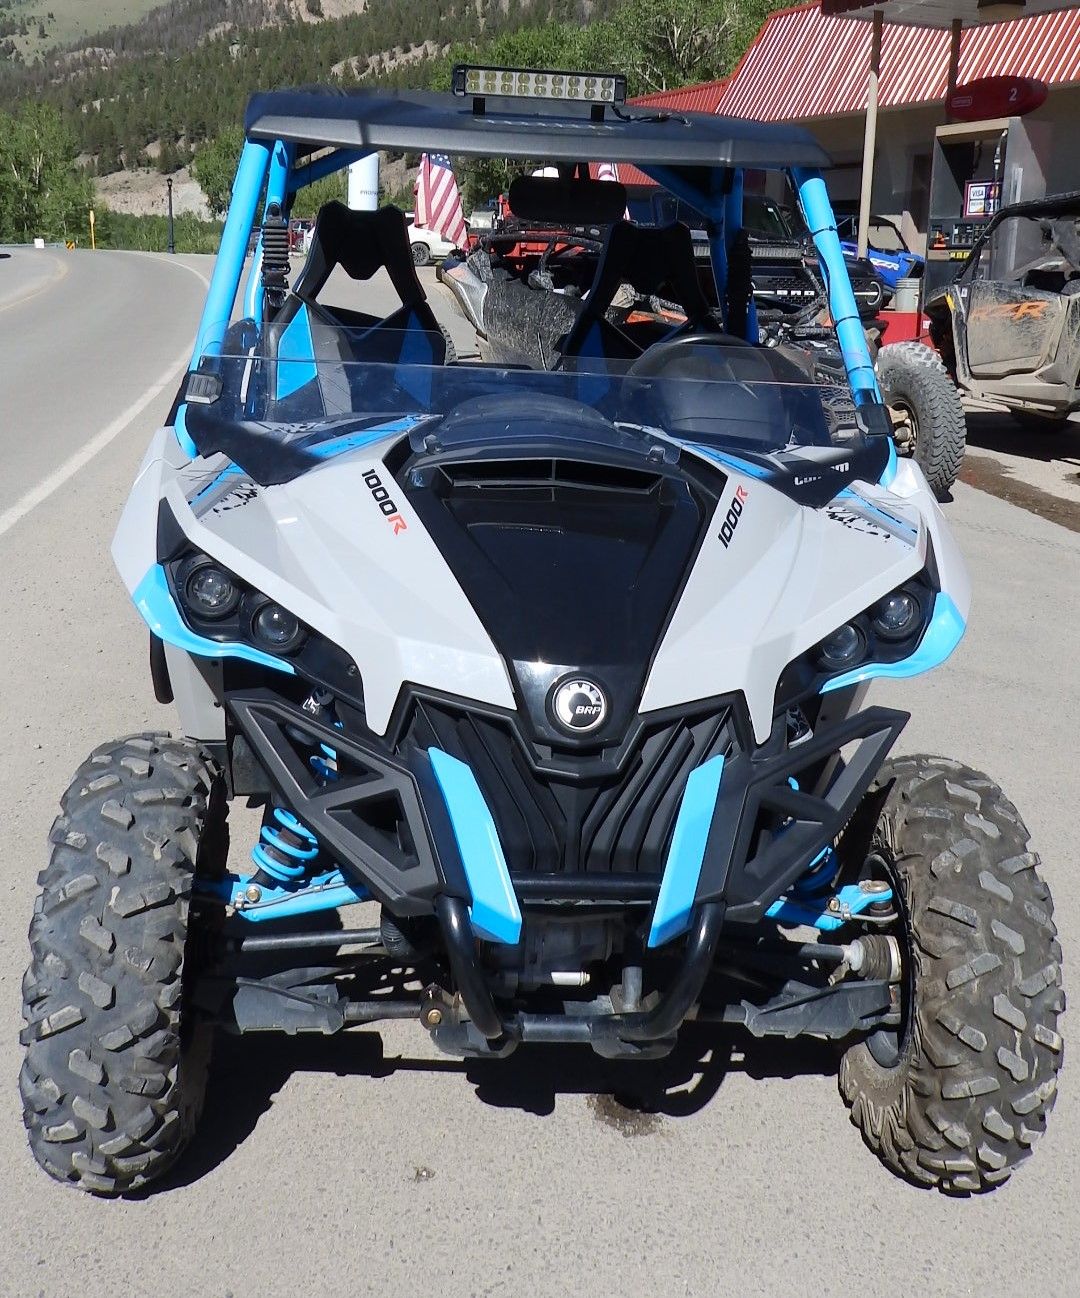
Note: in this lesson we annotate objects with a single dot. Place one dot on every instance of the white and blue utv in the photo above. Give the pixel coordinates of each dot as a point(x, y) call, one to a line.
point(550, 679)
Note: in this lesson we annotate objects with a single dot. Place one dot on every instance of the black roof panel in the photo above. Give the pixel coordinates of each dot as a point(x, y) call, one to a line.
point(416, 120)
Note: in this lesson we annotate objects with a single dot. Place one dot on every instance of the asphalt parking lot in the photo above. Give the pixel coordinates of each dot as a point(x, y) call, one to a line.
point(368, 1164)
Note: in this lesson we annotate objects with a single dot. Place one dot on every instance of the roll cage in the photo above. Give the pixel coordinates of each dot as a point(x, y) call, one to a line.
point(294, 138)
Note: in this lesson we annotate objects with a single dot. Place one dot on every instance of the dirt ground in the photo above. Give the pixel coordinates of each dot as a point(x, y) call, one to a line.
point(1039, 472)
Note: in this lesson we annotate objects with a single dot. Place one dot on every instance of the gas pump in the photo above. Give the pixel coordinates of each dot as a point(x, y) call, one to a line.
point(977, 167)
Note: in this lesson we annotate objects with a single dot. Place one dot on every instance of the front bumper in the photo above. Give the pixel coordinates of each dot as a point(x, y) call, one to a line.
point(417, 862)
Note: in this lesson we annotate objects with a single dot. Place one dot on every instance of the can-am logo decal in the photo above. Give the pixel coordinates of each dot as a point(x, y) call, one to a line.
point(817, 477)
point(731, 518)
point(382, 498)
point(579, 705)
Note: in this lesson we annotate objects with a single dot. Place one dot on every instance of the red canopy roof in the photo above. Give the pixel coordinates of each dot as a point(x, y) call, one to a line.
point(803, 64)
point(702, 98)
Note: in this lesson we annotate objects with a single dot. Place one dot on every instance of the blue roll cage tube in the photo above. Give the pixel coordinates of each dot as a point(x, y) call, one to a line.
point(272, 166)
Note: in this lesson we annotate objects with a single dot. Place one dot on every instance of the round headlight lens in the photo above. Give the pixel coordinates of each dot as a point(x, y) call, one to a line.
point(210, 592)
point(896, 616)
point(277, 629)
point(842, 649)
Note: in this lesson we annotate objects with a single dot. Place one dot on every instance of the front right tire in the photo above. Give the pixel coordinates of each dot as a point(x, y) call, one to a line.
point(116, 1057)
point(973, 1076)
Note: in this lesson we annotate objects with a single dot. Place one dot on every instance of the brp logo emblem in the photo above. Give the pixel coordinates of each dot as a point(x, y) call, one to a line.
point(579, 705)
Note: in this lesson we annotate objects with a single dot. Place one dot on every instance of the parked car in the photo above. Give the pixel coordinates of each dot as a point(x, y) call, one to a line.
point(785, 271)
point(427, 245)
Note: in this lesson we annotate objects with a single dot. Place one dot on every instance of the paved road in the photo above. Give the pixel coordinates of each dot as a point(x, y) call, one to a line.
point(368, 1165)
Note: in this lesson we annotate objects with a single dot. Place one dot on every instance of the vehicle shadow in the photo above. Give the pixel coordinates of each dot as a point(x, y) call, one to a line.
point(632, 1097)
point(997, 431)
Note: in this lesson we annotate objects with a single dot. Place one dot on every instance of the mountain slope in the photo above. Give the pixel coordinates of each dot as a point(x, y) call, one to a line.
point(185, 71)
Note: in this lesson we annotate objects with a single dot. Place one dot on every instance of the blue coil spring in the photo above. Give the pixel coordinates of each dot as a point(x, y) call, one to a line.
point(286, 847)
point(325, 763)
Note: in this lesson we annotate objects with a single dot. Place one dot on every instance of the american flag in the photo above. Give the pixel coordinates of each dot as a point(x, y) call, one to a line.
point(438, 203)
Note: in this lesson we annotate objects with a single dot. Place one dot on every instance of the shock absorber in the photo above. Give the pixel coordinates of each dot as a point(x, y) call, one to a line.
point(286, 850)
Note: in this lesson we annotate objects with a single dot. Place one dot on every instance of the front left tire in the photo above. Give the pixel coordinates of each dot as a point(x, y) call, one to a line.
point(421, 254)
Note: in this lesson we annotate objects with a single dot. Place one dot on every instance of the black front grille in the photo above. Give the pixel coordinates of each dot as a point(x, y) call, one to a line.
point(588, 821)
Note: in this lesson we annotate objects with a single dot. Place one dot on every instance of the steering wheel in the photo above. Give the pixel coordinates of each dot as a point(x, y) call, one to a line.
point(655, 359)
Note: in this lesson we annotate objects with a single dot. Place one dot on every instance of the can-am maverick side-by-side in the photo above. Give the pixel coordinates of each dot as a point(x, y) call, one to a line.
point(561, 671)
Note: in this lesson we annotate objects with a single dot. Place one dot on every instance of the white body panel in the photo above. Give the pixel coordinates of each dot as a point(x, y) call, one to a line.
point(788, 577)
point(328, 553)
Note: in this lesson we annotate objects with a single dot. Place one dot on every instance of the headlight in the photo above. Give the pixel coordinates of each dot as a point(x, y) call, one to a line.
point(276, 629)
point(842, 649)
point(896, 616)
point(209, 591)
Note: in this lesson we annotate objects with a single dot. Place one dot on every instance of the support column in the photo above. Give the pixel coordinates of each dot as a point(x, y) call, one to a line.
point(364, 184)
point(954, 60)
point(870, 134)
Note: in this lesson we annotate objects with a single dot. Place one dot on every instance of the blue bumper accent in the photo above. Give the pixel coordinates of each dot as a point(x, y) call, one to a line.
point(941, 637)
point(154, 601)
point(678, 887)
point(495, 913)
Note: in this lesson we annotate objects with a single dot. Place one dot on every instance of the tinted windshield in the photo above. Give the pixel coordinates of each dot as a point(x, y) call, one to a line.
point(714, 393)
point(762, 216)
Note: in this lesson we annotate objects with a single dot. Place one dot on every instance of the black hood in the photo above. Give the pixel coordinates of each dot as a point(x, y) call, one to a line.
point(571, 539)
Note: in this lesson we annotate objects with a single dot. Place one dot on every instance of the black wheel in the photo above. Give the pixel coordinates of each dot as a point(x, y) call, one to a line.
point(451, 350)
point(421, 254)
point(961, 1094)
point(116, 1060)
point(919, 390)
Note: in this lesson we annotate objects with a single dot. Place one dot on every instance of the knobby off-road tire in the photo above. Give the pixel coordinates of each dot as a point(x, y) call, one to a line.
point(977, 1073)
point(115, 1068)
point(914, 378)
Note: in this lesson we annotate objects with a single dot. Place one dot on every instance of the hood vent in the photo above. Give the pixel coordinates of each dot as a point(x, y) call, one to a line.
point(571, 565)
point(547, 477)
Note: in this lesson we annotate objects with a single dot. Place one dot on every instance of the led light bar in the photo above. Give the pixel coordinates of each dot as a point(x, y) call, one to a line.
point(524, 83)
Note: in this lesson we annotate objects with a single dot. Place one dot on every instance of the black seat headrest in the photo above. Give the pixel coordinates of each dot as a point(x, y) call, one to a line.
point(655, 260)
point(361, 243)
point(552, 200)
